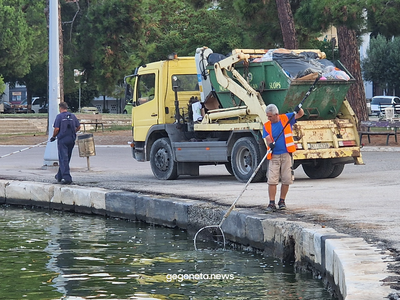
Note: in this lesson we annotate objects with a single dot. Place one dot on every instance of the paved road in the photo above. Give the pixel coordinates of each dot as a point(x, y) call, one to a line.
point(363, 201)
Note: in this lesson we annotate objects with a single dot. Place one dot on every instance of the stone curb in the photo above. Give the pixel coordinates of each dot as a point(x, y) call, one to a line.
point(352, 267)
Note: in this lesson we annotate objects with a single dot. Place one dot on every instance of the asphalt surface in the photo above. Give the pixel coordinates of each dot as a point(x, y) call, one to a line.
point(363, 201)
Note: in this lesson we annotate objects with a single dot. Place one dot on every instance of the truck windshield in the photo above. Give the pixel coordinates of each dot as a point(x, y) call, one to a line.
point(187, 82)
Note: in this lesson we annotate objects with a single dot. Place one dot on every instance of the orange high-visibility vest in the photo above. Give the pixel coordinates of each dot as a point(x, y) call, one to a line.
point(290, 146)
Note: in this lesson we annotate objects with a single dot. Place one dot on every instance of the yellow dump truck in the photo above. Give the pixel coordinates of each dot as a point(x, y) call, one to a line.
point(209, 109)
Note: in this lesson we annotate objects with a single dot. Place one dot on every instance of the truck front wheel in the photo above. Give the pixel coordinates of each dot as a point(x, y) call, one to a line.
point(245, 159)
point(162, 161)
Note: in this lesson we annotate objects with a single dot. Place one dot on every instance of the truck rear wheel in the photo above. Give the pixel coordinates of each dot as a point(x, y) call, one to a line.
point(319, 169)
point(337, 170)
point(245, 159)
point(162, 161)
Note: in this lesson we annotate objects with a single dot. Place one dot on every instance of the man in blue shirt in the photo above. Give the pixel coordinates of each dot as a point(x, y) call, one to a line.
point(65, 127)
point(278, 134)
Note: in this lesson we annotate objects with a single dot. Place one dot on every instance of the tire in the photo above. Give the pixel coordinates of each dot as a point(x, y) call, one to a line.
point(337, 170)
point(321, 168)
point(162, 161)
point(228, 167)
point(245, 159)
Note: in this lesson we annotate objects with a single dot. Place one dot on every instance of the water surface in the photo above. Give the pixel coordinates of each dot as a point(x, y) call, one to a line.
point(50, 254)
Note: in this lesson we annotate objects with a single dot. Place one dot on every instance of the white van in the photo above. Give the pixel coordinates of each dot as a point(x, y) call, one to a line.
point(37, 103)
point(379, 103)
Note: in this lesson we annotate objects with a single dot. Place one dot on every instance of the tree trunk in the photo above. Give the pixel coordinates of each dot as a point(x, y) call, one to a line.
point(350, 57)
point(287, 24)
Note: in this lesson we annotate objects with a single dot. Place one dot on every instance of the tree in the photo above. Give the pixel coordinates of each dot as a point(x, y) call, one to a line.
point(183, 28)
point(16, 40)
point(382, 64)
point(110, 41)
point(261, 22)
point(36, 80)
point(383, 17)
point(375, 65)
point(347, 16)
point(287, 24)
point(350, 57)
point(393, 65)
point(2, 85)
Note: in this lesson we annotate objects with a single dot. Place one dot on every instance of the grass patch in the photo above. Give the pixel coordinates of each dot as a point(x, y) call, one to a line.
point(8, 135)
point(119, 127)
point(23, 116)
point(110, 128)
point(78, 115)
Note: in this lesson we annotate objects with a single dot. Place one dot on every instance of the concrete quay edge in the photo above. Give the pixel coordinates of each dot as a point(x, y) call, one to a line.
point(350, 266)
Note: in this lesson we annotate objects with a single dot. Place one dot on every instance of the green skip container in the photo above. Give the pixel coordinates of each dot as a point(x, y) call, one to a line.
point(275, 86)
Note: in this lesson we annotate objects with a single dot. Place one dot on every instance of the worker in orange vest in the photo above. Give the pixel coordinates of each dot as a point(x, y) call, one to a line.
point(281, 147)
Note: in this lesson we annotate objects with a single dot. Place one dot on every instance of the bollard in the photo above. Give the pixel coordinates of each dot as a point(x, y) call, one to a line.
point(86, 147)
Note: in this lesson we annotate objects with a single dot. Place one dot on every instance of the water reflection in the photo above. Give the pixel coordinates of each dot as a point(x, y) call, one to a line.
point(55, 254)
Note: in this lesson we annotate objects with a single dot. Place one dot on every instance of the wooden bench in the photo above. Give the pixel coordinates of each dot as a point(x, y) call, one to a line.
point(393, 125)
point(91, 119)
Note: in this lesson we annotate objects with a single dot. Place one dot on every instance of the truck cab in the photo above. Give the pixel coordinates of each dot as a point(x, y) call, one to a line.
point(154, 102)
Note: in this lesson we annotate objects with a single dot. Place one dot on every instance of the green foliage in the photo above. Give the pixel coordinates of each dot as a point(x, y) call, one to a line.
point(382, 64)
point(16, 40)
point(24, 49)
point(88, 93)
point(182, 29)
point(319, 15)
point(36, 80)
point(326, 46)
point(110, 41)
point(260, 22)
point(394, 63)
point(2, 85)
point(373, 65)
point(383, 17)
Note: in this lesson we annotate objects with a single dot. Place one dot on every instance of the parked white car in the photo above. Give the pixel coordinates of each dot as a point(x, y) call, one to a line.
point(379, 103)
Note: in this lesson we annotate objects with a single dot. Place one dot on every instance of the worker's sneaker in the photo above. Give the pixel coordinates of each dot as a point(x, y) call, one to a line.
point(281, 205)
point(270, 208)
point(63, 181)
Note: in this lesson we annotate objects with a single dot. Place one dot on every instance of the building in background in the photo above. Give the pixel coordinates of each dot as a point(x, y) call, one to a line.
point(110, 104)
point(14, 95)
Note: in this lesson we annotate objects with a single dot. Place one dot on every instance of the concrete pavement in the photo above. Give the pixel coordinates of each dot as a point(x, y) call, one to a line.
point(362, 202)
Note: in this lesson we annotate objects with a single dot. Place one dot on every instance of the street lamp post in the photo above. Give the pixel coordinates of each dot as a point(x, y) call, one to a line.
point(79, 105)
point(51, 152)
point(78, 73)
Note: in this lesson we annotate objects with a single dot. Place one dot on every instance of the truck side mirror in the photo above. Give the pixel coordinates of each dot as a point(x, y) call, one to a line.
point(175, 82)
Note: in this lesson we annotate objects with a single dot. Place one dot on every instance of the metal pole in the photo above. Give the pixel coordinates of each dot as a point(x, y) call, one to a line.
point(79, 97)
point(88, 163)
point(51, 152)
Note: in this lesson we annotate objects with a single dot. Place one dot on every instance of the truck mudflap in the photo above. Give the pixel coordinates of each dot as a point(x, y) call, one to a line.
point(137, 149)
